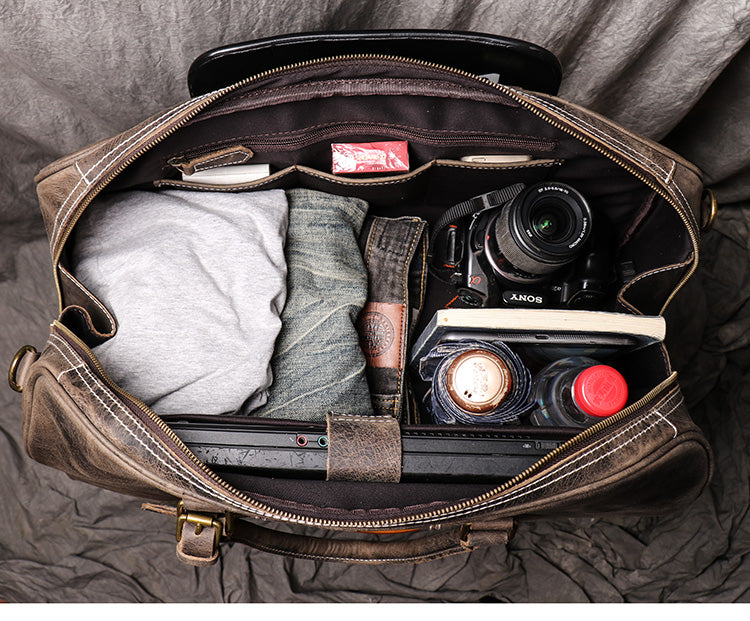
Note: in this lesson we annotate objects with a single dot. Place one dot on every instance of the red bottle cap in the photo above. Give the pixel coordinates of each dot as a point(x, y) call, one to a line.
point(600, 390)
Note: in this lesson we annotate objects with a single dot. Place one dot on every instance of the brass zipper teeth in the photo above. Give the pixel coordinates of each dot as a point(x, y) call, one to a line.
point(661, 190)
point(353, 525)
point(658, 188)
point(371, 524)
point(549, 457)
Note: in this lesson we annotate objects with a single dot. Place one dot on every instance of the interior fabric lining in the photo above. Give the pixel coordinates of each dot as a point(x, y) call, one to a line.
point(673, 71)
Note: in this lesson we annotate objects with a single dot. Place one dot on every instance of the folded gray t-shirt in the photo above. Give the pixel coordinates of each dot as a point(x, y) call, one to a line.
point(197, 283)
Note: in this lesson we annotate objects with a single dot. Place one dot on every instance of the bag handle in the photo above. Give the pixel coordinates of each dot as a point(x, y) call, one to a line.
point(199, 536)
point(452, 540)
point(516, 62)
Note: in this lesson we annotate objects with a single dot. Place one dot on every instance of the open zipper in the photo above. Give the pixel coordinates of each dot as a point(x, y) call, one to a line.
point(267, 511)
point(303, 138)
point(443, 513)
point(207, 100)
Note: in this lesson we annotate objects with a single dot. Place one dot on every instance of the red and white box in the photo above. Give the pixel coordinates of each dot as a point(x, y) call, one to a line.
point(370, 157)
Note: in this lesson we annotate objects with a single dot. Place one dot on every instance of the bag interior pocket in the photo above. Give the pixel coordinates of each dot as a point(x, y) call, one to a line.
point(299, 128)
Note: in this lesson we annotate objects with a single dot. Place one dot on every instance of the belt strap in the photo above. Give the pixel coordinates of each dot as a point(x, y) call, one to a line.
point(451, 540)
point(389, 247)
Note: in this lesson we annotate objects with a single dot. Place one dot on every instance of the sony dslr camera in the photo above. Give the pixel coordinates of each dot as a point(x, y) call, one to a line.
point(525, 246)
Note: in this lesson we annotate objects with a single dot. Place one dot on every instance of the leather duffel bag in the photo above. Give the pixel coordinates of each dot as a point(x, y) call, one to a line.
point(648, 458)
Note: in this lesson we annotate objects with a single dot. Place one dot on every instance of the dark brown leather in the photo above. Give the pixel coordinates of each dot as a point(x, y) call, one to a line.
point(363, 448)
point(99, 321)
point(63, 186)
point(681, 178)
point(214, 159)
point(78, 421)
point(197, 545)
point(453, 540)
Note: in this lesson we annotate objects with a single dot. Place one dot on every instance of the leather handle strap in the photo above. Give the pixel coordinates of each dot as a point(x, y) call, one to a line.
point(516, 62)
point(199, 536)
point(452, 540)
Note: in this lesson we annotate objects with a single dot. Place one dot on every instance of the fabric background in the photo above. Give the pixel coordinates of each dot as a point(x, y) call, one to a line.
point(674, 70)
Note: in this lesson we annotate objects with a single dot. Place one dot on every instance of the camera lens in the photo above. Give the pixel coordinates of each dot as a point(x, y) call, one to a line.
point(551, 221)
point(541, 230)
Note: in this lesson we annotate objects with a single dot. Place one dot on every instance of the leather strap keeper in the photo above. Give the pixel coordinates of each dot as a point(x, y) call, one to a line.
point(482, 534)
point(363, 448)
point(198, 545)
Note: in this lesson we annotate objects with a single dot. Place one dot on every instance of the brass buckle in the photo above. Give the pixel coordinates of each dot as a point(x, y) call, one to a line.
point(200, 521)
point(713, 209)
point(15, 364)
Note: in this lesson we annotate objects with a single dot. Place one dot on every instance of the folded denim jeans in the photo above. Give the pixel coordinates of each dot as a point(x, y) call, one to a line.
point(318, 365)
point(394, 251)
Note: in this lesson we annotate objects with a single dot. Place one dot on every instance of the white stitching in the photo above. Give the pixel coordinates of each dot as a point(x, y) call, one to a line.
point(199, 167)
point(72, 279)
point(454, 548)
point(598, 447)
point(340, 181)
point(97, 384)
point(600, 457)
point(118, 148)
point(61, 373)
point(638, 156)
point(80, 172)
point(105, 391)
point(194, 185)
point(482, 506)
point(115, 148)
point(640, 277)
point(49, 342)
point(72, 366)
point(670, 423)
point(535, 486)
point(584, 456)
point(671, 171)
point(375, 418)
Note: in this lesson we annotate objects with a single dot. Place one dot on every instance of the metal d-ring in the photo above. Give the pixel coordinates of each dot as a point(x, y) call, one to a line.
point(713, 209)
point(15, 364)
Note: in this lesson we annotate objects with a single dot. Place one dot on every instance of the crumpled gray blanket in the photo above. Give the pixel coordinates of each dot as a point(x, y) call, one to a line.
point(74, 73)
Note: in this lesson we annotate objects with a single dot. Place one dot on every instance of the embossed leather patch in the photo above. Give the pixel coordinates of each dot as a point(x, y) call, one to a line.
point(381, 333)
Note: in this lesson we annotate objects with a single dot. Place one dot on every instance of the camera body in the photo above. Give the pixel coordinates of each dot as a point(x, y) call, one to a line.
point(537, 249)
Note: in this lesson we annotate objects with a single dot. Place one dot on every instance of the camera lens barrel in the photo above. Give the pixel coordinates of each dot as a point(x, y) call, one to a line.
point(542, 229)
